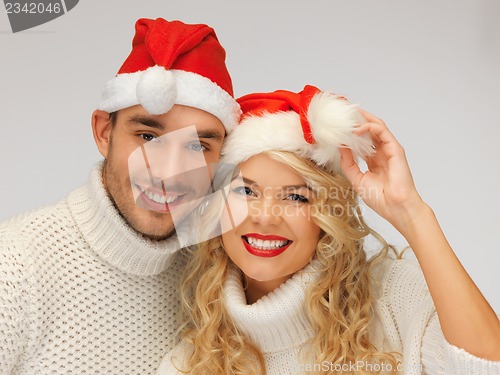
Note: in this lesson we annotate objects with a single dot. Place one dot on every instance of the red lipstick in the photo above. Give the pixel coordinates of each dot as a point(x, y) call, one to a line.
point(265, 253)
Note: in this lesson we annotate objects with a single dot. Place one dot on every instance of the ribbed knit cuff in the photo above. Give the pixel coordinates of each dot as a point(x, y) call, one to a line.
point(460, 362)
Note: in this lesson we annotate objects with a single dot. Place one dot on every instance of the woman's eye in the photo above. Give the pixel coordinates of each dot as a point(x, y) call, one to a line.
point(196, 147)
point(243, 190)
point(148, 137)
point(298, 198)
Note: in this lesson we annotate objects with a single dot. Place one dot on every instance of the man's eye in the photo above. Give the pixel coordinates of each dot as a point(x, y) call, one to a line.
point(298, 198)
point(196, 146)
point(148, 137)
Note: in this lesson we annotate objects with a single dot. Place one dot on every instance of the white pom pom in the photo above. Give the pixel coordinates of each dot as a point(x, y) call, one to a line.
point(332, 121)
point(157, 90)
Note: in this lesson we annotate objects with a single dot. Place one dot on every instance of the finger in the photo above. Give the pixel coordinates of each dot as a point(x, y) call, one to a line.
point(350, 167)
point(362, 130)
point(370, 117)
point(378, 132)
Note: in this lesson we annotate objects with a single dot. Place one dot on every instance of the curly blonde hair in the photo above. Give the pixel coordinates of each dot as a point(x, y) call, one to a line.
point(340, 306)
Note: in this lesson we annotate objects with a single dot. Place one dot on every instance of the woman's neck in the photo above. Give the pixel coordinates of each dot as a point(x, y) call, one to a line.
point(255, 289)
point(276, 322)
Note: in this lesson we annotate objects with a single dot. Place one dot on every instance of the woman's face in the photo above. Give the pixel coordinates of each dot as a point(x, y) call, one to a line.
point(278, 237)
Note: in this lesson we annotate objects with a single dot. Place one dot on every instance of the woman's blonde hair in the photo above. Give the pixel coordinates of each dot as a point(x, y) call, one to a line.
point(340, 303)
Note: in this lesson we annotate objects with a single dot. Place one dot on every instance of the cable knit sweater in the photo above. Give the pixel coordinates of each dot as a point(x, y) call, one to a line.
point(83, 293)
point(405, 321)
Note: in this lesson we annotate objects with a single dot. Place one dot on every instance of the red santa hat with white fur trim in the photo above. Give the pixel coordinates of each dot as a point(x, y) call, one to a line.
point(174, 63)
point(311, 123)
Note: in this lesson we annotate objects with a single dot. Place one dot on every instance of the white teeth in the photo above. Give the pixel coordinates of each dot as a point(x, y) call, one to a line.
point(172, 198)
point(266, 245)
point(160, 198)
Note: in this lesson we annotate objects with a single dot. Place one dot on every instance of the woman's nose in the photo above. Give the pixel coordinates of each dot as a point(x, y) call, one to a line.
point(265, 212)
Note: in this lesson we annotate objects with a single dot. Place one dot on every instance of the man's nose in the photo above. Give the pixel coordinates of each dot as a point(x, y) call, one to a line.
point(165, 161)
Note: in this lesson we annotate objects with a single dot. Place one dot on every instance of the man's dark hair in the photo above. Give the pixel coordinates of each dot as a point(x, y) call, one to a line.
point(113, 116)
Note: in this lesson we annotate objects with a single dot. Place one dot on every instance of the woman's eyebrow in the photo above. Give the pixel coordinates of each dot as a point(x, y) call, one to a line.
point(288, 187)
point(249, 181)
point(296, 186)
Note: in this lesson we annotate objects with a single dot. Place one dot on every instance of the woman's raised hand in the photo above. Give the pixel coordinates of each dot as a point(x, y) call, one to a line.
point(466, 318)
point(387, 186)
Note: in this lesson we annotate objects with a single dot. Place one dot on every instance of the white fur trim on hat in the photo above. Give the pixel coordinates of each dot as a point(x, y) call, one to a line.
point(332, 122)
point(158, 89)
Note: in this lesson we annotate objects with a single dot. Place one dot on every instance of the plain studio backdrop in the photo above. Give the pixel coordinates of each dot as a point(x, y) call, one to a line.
point(431, 70)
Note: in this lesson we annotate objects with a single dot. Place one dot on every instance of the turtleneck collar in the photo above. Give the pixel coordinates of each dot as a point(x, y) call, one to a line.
point(110, 236)
point(278, 321)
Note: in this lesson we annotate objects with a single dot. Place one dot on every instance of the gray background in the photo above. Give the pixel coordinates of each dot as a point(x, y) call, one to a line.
point(429, 69)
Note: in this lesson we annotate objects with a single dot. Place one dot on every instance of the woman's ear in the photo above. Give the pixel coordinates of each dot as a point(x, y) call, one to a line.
point(101, 128)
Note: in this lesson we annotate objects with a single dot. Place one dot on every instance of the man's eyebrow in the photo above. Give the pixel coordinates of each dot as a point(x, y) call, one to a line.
point(147, 122)
point(210, 134)
point(252, 182)
point(205, 134)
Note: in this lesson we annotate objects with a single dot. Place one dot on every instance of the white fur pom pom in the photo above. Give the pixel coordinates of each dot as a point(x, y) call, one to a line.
point(332, 120)
point(157, 90)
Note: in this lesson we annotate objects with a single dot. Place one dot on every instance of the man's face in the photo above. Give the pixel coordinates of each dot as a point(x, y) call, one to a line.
point(155, 166)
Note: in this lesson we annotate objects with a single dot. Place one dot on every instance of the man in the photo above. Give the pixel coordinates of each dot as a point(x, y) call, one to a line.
point(88, 286)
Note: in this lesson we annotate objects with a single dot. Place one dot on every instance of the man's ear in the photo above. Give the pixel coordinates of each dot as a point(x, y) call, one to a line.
point(101, 128)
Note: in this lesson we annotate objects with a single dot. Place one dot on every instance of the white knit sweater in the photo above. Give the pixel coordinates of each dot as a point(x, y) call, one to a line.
point(405, 321)
point(83, 293)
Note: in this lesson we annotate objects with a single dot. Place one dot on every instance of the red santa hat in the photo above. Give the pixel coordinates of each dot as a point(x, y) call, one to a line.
point(311, 123)
point(174, 63)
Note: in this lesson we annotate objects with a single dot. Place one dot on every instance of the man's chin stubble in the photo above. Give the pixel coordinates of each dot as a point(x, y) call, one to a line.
point(131, 222)
point(145, 231)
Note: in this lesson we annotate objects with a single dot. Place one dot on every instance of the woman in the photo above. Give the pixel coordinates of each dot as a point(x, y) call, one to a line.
point(289, 288)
